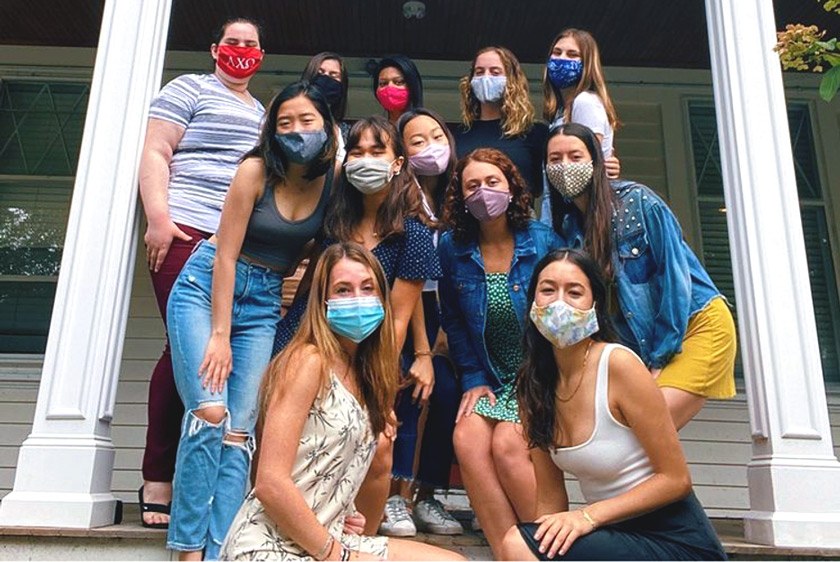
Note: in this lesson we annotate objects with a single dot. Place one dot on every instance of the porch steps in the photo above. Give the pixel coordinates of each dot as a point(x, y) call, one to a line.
point(130, 541)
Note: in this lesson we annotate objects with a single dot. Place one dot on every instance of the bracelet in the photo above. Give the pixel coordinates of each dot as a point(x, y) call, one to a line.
point(427, 353)
point(326, 549)
point(589, 519)
point(344, 556)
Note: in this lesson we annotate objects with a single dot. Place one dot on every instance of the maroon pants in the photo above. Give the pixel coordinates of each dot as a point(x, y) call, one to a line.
point(165, 408)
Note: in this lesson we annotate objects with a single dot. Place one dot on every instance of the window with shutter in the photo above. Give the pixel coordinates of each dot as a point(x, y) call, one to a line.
point(40, 135)
point(715, 237)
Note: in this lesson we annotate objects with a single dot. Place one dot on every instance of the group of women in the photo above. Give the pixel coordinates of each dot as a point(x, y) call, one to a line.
point(427, 272)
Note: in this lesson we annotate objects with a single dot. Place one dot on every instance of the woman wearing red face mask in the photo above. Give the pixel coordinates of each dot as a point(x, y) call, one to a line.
point(200, 125)
point(397, 86)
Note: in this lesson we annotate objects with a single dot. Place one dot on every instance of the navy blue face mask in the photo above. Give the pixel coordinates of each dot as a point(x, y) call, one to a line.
point(564, 73)
point(332, 89)
point(302, 147)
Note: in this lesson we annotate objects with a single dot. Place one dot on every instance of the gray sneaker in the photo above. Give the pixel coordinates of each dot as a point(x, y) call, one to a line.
point(431, 517)
point(397, 521)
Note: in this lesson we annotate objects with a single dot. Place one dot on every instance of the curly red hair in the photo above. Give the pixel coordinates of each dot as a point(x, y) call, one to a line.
point(455, 215)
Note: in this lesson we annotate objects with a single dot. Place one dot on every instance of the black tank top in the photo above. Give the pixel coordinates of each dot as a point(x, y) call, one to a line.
point(276, 241)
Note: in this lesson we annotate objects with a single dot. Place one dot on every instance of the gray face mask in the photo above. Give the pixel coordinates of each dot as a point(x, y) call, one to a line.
point(368, 175)
point(570, 179)
point(302, 147)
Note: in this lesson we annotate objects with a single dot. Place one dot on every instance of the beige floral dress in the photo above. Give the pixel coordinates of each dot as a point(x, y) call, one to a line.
point(335, 451)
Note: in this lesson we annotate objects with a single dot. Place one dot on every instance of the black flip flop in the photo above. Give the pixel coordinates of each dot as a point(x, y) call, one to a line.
point(152, 508)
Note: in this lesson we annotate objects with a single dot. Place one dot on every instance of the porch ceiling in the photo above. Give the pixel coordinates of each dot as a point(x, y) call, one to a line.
point(645, 33)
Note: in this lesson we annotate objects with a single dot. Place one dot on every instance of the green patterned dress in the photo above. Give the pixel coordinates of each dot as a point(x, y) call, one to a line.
point(503, 338)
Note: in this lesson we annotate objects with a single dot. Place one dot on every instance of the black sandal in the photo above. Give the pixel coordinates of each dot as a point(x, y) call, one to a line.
point(152, 508)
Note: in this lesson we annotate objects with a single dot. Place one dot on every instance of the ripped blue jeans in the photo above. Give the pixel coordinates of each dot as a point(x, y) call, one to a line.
point(213, 461)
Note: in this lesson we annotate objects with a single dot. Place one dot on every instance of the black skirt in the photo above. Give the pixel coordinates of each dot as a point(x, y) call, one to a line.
point(678, 531)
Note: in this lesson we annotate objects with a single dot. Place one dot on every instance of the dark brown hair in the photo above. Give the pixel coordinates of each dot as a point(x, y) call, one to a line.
point(346, 204)
point(455, 215)
point(219, 33)
point(443, 179)
point(539, 375)
point(597, 222)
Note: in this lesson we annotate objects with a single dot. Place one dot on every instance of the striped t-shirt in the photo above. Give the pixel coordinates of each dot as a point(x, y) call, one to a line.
point(219, 129)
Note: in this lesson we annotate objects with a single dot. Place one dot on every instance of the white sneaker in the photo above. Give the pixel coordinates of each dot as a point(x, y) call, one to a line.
point(397, 522)
point(431, 517)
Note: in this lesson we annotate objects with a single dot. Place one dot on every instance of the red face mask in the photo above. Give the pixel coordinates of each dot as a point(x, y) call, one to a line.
point(392, 98)
point(239, 62)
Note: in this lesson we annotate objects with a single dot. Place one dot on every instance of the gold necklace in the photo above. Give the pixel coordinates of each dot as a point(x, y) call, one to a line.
point(580, 380)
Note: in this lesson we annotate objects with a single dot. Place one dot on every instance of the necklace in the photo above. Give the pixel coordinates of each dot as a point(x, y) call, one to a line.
point(580, 379)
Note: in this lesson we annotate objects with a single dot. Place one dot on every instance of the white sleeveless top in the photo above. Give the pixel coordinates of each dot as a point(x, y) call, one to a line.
point(611, 461)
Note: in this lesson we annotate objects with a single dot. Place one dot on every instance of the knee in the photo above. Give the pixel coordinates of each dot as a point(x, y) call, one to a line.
point(509, 451)
point(514, 547)
point(214, 414)
point(383, 459)
point(470, 446)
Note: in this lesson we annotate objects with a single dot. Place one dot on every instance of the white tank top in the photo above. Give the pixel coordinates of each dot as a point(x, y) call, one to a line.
point(611, 461)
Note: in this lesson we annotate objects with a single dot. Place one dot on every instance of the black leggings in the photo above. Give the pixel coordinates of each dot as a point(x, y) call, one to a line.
point(678, 531)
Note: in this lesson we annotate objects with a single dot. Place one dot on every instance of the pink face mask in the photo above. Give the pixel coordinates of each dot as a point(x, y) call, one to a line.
point(392, 98)
point(486, 204)
point(431, 161)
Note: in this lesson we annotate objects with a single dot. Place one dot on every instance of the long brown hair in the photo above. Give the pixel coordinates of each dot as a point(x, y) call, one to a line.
point(597, 222)
point(538, 377)
point(591, 80)
point(375, 363)
point(455, 215)
point(517, 110)
point(347, 203)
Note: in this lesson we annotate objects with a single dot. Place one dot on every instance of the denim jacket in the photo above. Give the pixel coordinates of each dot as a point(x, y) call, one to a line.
point(660, 281)
point(463, 297)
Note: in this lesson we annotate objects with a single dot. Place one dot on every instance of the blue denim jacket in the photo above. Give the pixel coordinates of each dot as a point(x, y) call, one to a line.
point(463, 297)
point(660, 281)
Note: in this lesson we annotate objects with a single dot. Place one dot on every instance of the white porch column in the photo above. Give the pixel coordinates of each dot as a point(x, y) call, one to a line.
point(63, 476)
point(794, 477)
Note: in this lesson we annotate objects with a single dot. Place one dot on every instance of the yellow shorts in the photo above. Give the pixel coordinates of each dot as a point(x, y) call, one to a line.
point(706, 364)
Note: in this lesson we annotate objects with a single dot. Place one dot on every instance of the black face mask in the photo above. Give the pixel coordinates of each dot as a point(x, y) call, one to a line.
point(331, 88)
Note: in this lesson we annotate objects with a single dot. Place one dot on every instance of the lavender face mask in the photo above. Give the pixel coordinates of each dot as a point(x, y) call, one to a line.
point(487, 204)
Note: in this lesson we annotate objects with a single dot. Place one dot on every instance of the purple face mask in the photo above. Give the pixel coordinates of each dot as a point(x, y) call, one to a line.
point(431, 161)
point(487, 204)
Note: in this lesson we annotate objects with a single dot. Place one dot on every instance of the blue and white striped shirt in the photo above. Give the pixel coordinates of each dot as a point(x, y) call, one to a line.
point(219, 129)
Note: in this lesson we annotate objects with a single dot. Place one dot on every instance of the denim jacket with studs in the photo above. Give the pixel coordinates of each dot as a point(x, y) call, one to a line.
point(660, 281)
point(463, 297)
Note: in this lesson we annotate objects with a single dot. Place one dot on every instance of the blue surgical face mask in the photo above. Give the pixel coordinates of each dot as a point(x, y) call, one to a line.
point(487, 88)
point(564, 73)
point(355, 318)
point(302, 147)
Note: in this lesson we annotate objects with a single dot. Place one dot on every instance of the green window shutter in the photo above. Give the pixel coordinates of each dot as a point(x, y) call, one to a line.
point(716, 251)
point(41, 127)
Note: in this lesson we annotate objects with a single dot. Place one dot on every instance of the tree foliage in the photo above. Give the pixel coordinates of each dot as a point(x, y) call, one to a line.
point(804, 48)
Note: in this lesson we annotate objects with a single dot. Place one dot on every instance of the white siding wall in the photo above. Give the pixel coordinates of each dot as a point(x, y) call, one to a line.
point(653, 148)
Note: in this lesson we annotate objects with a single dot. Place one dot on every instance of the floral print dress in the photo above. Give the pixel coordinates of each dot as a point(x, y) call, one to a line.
point(336, 448)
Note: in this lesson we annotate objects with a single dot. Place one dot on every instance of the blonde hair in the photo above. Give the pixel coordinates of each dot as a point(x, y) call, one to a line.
point(592, 79)
point(375, 363)
point(517, 110)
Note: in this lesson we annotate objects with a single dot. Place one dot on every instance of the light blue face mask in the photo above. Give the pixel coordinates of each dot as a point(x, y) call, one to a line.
point(355, 318)
point(302, 147)
point(487, 88)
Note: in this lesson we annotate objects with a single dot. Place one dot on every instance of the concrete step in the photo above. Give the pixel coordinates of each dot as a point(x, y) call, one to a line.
point(130, 541)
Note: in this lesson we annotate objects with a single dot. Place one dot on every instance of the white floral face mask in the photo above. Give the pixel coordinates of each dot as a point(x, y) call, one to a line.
point(562, 324)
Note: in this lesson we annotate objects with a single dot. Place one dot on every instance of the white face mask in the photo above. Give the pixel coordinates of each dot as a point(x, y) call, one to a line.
point(369, 175)
point(562, 324)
